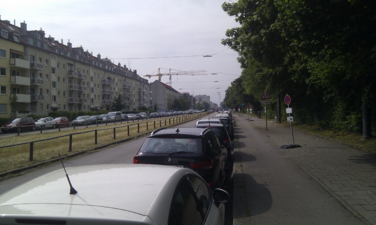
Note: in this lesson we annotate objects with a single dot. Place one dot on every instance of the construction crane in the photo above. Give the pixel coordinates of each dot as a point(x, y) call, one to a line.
point(191, 72)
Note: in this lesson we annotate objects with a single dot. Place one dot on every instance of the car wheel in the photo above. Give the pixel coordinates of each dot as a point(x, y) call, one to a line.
point(33, 128)
point(53, 126)
point(42, 127)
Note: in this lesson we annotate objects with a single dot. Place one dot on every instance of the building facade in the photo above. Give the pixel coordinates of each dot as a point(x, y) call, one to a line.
point(202, 98)
point(163, 95)
point(40, 74)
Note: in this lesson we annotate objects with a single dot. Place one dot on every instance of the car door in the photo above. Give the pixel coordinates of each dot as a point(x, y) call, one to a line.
point(193, 204)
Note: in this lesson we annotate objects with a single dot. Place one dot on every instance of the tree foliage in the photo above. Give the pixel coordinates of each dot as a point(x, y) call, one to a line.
point(118, 103)
point(202, 105)
point(322, 53)
point(180, 104)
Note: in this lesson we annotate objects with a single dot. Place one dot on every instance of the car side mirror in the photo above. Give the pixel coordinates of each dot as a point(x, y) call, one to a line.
point(220, 196)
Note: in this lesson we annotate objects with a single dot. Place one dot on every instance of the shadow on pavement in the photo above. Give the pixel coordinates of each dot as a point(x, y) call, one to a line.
point(256, 197)
point(240, 136)
point(369, 158)
point(240, 144)
point(243, 157)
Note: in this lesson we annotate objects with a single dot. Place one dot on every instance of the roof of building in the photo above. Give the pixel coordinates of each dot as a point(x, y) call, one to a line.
point(167, 86)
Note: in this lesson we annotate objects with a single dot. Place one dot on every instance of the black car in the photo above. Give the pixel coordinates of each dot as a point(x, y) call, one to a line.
point(226, 120)
point(196, 148)
point(223, 137)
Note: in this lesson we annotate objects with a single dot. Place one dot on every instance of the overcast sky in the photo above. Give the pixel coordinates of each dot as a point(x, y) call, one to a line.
point(143, 34)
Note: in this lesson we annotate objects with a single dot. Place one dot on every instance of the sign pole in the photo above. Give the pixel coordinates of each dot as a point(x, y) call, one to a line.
point(266, 119)
point(292, 132)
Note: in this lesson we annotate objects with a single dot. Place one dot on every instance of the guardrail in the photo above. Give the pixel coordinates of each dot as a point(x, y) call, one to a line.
point(167, 121)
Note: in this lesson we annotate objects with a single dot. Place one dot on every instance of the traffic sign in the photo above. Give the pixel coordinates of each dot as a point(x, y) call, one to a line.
point(287, 99)
point(267, 102)
point(290, 119)
point(242, 104)
point(288, 110)
point(250, 106)
point(265, 96)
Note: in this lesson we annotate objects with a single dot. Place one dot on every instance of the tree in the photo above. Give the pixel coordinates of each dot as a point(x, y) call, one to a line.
point(118, 103)
point(14, 102)
point(180, 104)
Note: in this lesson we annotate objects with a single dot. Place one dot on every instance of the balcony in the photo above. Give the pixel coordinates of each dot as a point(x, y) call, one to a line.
point(22, 113)
point(19, 63)
point(36, 81)
point(37, 98)
point(73, 100)
point(106, 82)
point(106, 102)
point(106, 92)
point(36, 66)
point(82, 76)
point(23, 98)
point(73, 87)
point(82, 100)
point(72, 73)
point(126, 86)
point(20, 80)
point(54, 105)
point(82, 88)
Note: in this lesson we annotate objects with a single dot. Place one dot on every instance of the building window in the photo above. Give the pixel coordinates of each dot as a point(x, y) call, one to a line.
point(92, 101)
point(64, 80)
point(14, 73)
point(3, 71)
point(63, 66)
point(3, 90)
point(46, 62)
point(54, 98)
point(58, 79)
point(64, 107)
point(58, 65)
point(53, 57)
point(40, 60)
point(48, 106)
point(53, 70)
point(32, 58)
point(4, 33)
point(58, 93)
point(64, 94)
point(41, 106)
point(16, 37)
point(3, 53)
point(47, 77)
point(92, 90)
point(3, 108)
point(53, 84)
point(47, 92)
point(91, 78)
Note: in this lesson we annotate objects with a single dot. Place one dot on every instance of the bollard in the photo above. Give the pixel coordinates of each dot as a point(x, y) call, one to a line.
point(138, 128)
point(18, 131)
point(154, 124)
point(97, 123)
point(114, 133)
point(128, 129)
point(40, 128)
point(147, 125)
point(31, 151)
point(160, 123)
point(165, 122)
point(74, 126)
point(70, 143)
point(96, 136)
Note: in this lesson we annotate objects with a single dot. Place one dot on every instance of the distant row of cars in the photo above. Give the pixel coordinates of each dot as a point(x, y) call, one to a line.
point(28, 124)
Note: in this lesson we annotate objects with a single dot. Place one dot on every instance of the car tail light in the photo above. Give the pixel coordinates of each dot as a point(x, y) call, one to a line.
point(205, 164)
point(136, 161)
point(226, 141)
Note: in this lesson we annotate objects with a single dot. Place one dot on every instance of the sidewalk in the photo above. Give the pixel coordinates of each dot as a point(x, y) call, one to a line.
point(347, 174)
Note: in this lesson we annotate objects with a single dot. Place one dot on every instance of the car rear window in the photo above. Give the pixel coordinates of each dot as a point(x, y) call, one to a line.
point(170, 145)
point(220, 132)
point(225, 121)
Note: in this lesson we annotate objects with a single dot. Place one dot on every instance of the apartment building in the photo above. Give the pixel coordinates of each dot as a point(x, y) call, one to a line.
point(202, 98)
point(47, 75)
point(163, 95)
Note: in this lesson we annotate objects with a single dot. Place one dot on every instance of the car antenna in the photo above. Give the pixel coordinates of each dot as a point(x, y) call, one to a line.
point(72, 190)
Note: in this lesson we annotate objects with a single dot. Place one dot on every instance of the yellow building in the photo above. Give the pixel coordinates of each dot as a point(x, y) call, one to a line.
point(45, 75)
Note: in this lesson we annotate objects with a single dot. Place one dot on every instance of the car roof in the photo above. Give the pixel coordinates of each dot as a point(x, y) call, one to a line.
point(105, 192)
point(201, 125)
point(182, 131)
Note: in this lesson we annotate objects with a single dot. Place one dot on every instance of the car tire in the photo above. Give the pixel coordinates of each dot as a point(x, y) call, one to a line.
point(33, 128)
point(53, 126)
point(42, 127)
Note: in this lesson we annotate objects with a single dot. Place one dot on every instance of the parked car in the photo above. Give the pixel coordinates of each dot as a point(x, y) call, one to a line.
point(153, 115)
point(115, 194)
point(104, 118)
point(225, 119)
point(62, 121)
point(131, 116)
point(81, 120)
point(223, 137)
point(95, 119)
point(115, 116)
point(22, 123)
point(195, 148)
point(213, 120)
point(46, 122)
point(124, 117)
point(142, 115)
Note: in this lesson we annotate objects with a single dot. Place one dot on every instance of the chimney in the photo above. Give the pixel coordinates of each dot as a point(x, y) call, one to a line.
point(135, 71)
point(125, 66)
point(14, 22)
point(99, 56)
point(6, 21)
point(69, 46)
point(24, 27)
point(51, 39)
point(62, 42)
